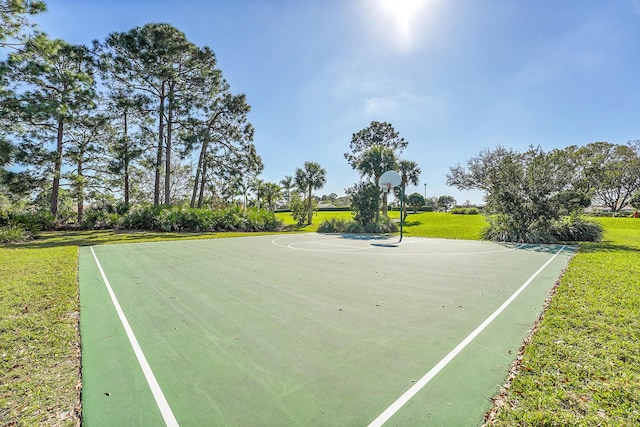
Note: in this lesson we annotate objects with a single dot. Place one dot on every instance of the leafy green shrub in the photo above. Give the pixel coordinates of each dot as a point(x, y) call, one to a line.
point(334, 225)
point(365, 198)
point(29, 221)
point(262, 220)
point(230, 220)
point(142, 217)
point(354, 227)
point(384, 225)
point(14, 234)
point(503, 228)
point(342, 225)
point(183, 219)
point(100, 219)
point(166, 220)
point(465, 211)
point(577, 229)
point(299, 210)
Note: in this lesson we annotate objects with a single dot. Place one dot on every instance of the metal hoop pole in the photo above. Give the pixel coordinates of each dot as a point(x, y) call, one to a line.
point(401, 210)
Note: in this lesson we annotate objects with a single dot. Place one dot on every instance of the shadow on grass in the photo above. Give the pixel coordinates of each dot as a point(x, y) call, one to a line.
point(581, 247)
point(412, 223)
point(102, 237)
point(294, 227)
point(593, 247)
point(98, 237)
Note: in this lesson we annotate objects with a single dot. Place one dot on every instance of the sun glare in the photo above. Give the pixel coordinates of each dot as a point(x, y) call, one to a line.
point(402, 15)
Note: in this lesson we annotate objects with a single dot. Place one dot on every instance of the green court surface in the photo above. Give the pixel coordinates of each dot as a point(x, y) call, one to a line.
point(305, 329)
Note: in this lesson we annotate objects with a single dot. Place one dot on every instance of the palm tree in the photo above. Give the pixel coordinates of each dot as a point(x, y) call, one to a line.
point(236, 186)
point(373, 163)
point(271, 192)
point(256, 186)
point(312, 177)
point(409, 173)
point(287, 185)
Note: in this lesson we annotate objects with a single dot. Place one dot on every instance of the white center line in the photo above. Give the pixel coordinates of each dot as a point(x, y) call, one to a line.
point(161, 401)
point(402, 400)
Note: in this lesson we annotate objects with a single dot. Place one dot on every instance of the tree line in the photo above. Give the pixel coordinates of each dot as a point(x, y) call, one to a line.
point(120, 118)
point(100, 118)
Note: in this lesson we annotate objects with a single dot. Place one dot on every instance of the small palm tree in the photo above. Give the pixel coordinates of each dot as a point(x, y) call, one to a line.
point(256, 186)
point(409, 173)
point(271, 192)
point(287, 185)
point(312, 177)
point(373, 163)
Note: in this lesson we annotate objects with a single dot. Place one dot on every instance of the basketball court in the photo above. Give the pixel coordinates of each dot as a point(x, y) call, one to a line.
point(305, 329)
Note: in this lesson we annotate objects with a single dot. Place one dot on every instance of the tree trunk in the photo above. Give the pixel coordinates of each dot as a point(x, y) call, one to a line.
point(167, 167)
point(126, 164)
point(126, 186)
point(310, 207)
point(55, 190)
point(156, 188)
point(196, 181)
point(385, 209)
point(80, 190)
point(202, 183)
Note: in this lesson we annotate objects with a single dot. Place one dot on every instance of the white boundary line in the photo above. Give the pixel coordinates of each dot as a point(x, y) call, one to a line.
point(402, 400)
point(161, 401)
point(367, 250)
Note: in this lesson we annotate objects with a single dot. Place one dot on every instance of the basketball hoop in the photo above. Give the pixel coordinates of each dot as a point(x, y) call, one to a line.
point(385, 187)
point(388, 180)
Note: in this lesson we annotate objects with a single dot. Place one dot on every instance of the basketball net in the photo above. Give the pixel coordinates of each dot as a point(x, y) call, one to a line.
point(385, 187)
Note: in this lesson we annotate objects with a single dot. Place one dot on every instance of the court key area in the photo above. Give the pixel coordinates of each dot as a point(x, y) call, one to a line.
point(305, 329)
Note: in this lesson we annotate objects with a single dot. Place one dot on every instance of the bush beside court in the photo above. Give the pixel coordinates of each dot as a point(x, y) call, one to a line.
point(184, 219)
point(580, 367)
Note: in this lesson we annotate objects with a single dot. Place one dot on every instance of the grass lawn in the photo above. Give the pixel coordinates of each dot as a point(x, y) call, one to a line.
point(424, 224)
point(581, 367)
point(39, 348)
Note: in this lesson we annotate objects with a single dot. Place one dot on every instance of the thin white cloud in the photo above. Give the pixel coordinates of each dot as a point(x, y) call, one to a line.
point(378, 106)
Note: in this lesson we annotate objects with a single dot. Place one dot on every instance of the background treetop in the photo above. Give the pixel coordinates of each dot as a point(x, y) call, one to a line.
point(376, 134)
point(15, 19)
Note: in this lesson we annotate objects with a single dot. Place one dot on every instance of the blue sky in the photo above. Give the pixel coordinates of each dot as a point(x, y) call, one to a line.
point(454, 77)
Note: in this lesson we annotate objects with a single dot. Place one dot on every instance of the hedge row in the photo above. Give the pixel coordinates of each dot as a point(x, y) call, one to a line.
point(178, 218)
point(465, 211)
point(342, 225)
point(28, 221)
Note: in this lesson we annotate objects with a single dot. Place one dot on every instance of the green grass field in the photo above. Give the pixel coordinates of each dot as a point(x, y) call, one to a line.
point(581, 367)
point(425, 224)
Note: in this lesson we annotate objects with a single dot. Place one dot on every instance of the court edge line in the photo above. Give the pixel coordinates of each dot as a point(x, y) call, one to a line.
point(347, 250)
point(402, 400)
point(161, 401)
